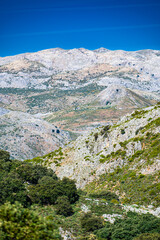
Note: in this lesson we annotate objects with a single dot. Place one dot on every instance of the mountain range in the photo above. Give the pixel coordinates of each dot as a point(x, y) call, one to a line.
point(75, 90)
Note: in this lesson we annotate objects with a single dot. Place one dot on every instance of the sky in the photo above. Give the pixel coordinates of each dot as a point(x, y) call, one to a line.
point(34, 25)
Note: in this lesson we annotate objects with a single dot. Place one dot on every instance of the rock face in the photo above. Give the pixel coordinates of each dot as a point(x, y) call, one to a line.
point(111, 147)
point(26, 136)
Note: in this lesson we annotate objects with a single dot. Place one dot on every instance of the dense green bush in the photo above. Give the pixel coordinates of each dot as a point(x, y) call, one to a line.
point(90, 222)
point(129, 227)
point(21, 223)
point(63, 206)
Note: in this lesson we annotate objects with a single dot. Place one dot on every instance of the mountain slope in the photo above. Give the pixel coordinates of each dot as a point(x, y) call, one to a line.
point(26, 136)
point(131, 147)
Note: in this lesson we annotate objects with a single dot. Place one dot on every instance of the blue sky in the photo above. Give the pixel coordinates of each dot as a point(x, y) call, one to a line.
point(33, 25)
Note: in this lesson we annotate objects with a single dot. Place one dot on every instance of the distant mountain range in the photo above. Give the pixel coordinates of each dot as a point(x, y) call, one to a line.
point(75, 90)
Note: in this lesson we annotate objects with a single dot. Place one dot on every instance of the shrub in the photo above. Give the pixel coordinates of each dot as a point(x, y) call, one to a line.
point(63, 206)
point(90, 222)
point(21, 223)
point(105, 195)
point(122, 131)
point(96, 136)
point(4, 155)
point(148, 236)
point(104, 131)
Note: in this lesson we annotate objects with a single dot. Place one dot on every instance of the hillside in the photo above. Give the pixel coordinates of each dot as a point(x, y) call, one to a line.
point(26, 136)
point(123, 158)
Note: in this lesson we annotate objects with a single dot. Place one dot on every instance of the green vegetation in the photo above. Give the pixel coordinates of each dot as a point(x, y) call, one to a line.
point(95, 136)
point(139, 113)
point(63, 206)
point(17, 222)
point(130, 226)
point(52, 157)
point(28, 183)
point(154, 123)
point(47, 203)
point(108, 196)
point(104, 131)
point(90, 222)
point(122, 131)
point(148, 236)
point(114, 155)
point(135, 188)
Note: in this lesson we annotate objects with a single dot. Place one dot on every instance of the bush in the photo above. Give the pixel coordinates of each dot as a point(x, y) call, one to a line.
point(90, 222)
point(122, 131)
point(104, 131)
point(21, 223)
point(5, 162)
point(63, 206)
point(105, 195)
point(26, 183)
point(148, 236)
point(95, 136)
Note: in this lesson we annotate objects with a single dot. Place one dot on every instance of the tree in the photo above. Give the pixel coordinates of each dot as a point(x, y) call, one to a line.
point(69, 189)
point(32, 173)
point(45, 192)
point(63, 206)
point(13, 189)
point(21, 223)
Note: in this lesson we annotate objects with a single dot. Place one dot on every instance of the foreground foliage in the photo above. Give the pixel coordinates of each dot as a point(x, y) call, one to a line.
point(17, 222)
